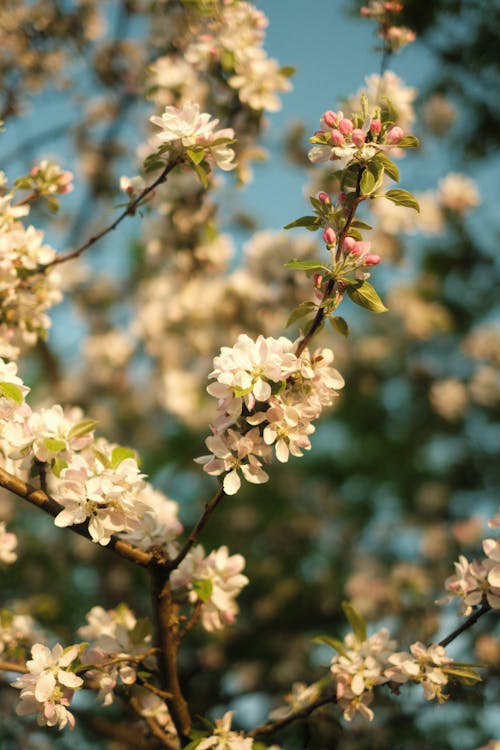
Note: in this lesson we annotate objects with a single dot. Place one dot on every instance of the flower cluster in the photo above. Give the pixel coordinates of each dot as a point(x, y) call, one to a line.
point(267, 396)
point(48, 688)
point(478, 581)
point(224, 738)
point(93, 481)
point(383, 11)
point(234, 40)
point(25, 292)
point(214, 580)
point(16, 632)
point(117, 638)
point(358, 668)
point(343, 139)
point(187, 128)
point(363, 662)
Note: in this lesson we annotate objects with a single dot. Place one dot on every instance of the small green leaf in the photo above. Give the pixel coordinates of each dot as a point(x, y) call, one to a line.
point(300, 312)
point(54, 445)
point(334, 643)
point(202, 173)
point(120, 453)
point(58, 465)
point(102, 458)
point(308, 222)
point(364, 295)
point(288, 71)
point(356, 622)
point(389, 167)
point(339, 324)
point(203, 587)
point(6, 618)
point(358, 224)
point(82, 428)
point(307, 265)
point(367, 183)
point(466, 674)
point(195, 154)
point(402, 198)
point(409, 141)
point(12, 392)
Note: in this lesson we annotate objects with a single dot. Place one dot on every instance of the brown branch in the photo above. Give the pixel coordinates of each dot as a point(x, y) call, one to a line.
point(10, 666)
point(113, 730)
point(195, 532)
point(128, 211)
point(166, 630)
point(42, 500)
point(471, 620)
point(303, 713)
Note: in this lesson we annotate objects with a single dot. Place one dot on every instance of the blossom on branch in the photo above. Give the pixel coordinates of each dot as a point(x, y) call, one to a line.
point(224, 738)
point(48, 687)
point(187, 128)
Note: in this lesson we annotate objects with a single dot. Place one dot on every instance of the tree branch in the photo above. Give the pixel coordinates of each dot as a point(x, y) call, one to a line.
point(128, 211)
point(303, 713)
point(471, 620)
point(42, 500)
point(195, 532)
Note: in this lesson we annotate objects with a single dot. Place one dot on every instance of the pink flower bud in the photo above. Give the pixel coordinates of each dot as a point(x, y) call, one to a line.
point(394, 7)
point(324, 197)
point(360, 249)
point(330, 119)
point(317, 280)
point(345, 126)
point(342, 197)
point(358, 137)
point(394, 135)
point(337, 138)
point(348, 245)
point(375, 126)
point(372, 260)
point(329, 236)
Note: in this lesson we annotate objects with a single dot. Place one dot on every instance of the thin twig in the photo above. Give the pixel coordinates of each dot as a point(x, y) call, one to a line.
point(128, 211)
point(303, 713)
point(471, 620)
point(195, 532)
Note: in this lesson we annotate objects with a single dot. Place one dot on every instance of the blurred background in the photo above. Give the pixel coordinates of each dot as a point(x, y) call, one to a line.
point(404, 471)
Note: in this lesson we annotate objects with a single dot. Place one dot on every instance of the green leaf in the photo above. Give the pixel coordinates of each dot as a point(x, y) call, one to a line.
point(356, 622)
point(409, 141)
point(358, 224)
point(6, 618)
point(307, 265)
point(54, 445)
point(102, 458)
point(466, 674)
point(367, 183)
point(82, 428)
point(57, 466)
point(203, 587)
point(389, 167)
point(334, 643)
point(195, 154)
point(12, 392)
point(308, 222)
point(120, 453)
point(402, 198)
point(202, 173)
point(339, 325)
point(288, 71)
point(300, 312)
point(194, 744)
point(365, 296)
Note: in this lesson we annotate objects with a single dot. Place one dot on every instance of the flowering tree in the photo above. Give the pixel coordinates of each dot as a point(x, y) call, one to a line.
point(122, 627)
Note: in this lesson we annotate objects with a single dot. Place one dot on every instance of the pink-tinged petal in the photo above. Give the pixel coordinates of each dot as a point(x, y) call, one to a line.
point(282, 452)
point(44, 687)
point(232, 483)
point(69, 679)
point(494, 577)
